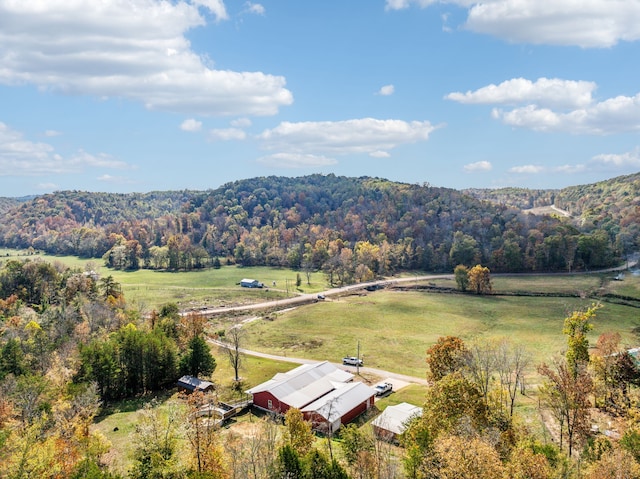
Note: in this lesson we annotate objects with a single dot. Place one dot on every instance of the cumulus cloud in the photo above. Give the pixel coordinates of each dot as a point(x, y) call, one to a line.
point(552, 92)
point(613, 163)
point(623, 160)
point(227, 134)
point(386, 90)
point(478, 166)
point(191, 125)
point(295, 160)
point(615, 115)
point(52, 133)
point(527, 169)
point(556, 105)
point(367, 135)
point(595, 23)
point(22, 157)
point(131, 49)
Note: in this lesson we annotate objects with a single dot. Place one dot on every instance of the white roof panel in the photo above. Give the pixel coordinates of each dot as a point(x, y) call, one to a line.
point(285, 384)
point(341, 400)
point(395, 418)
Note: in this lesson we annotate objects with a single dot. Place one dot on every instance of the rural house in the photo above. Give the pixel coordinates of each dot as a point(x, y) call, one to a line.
point(393, 421)
point(324, 393)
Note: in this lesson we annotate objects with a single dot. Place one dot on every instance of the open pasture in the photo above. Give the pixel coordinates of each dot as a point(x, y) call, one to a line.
point(395, 329)
point(149, 289)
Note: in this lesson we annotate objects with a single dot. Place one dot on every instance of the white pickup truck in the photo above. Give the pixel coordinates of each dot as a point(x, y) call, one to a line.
point(383, 388)
point(352, 361)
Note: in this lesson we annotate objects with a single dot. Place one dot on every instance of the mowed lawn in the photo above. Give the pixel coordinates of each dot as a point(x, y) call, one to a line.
point(395, 329)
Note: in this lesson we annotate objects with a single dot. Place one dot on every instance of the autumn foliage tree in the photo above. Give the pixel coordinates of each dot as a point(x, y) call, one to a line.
point(480, 279)
point(448, 355)
point(566, 393)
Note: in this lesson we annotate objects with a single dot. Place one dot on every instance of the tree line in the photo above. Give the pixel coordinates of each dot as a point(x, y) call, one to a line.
point(353, 229)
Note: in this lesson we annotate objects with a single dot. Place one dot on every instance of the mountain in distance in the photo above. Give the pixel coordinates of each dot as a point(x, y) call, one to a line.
point(311, 220)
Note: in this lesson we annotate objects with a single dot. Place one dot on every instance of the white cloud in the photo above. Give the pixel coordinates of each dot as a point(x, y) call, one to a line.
point(131, 49)
point(386, 90)
point(612, 163)
point(615, 115)
point(52, 133)
point(21, 157)
point(215, 6)
point(544, 91)
point(226, 134)
point(380, 154)
point(241, 123)
point(191, 125)
point(254, 8)
point(402, 4)
point(296, 160)
point(366, 135)
point(478, 166)
point(527, 169)
point(570, 169)
point(115, 179)
point(623, 160)
point(587, 24)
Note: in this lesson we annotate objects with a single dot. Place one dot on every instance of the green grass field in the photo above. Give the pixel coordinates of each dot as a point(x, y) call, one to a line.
point(148, 289)
point(396, 328)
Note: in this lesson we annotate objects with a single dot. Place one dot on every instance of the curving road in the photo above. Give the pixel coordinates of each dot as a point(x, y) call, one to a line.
point(378, 372)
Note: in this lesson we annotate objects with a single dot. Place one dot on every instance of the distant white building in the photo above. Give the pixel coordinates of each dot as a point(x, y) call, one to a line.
point(250, 283)
point(393, 421)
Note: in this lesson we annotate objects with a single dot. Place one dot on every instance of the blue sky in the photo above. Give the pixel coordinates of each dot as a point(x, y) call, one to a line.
point(142, 95)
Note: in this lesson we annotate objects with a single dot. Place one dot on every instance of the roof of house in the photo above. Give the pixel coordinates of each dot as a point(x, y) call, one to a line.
point(344, 398)
point(192, 383)
point(247, 280)
point(303, 384)
point(395, 418)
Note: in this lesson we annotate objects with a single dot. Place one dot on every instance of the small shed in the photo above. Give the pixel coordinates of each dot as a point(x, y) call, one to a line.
point(393, 421)
point(191, 384)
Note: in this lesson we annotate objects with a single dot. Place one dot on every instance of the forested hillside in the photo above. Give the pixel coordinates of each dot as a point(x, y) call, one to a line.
point(351, 228)
point(8, 203)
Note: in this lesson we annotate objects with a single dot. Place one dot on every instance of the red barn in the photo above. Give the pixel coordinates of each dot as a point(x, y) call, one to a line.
point(308, 388)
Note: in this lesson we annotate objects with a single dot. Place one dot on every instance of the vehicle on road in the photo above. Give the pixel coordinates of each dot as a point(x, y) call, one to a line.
point(352, 361)
point(383, 388)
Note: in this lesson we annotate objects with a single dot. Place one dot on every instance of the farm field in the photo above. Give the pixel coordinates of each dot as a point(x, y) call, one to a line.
point(148, 289)
point(395, 329)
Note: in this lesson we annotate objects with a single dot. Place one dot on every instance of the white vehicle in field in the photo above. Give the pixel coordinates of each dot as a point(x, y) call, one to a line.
point(352, 361)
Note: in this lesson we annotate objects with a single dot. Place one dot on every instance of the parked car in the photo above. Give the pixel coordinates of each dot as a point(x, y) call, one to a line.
point(383, 388)
point(352, 361)
point(321, 296)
